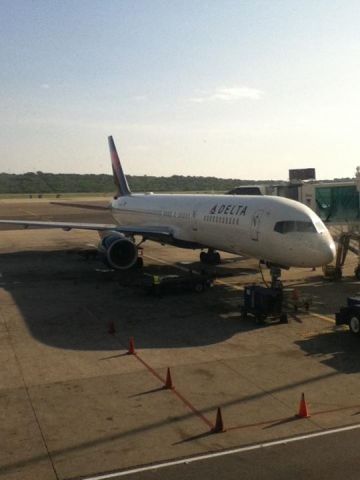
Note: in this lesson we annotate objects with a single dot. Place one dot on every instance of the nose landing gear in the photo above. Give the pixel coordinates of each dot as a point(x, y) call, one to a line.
point(275, 273)
point(211, 257)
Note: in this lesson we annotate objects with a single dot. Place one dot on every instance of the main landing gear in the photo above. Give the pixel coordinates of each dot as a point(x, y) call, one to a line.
point(210, 257)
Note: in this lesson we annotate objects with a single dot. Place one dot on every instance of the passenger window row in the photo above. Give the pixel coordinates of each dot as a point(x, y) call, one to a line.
point(221, 219)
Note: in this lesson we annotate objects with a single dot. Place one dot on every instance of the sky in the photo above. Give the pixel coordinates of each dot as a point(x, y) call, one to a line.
point(233, 89)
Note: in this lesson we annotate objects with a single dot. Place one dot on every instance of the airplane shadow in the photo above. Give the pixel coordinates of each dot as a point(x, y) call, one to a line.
point(69, 303)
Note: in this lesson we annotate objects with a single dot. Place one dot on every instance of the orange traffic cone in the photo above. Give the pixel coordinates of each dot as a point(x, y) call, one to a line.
point(111, 328)
point(303, 410)
point(219, 425)
point(168, 382)
point(131, 350)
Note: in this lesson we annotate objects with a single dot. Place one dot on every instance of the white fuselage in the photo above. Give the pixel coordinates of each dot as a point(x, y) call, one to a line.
point(273, 229)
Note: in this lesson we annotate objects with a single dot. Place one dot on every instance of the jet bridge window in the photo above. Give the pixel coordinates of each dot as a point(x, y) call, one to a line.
point(288, 226)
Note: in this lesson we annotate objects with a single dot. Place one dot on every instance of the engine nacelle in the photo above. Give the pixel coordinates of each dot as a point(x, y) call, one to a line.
point(119, 252)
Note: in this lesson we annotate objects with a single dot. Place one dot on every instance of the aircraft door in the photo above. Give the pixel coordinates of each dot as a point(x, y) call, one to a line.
point(255, 226)
point(195, 219)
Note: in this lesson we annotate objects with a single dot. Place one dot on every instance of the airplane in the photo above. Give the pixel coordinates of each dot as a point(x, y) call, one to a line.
point(278, 231)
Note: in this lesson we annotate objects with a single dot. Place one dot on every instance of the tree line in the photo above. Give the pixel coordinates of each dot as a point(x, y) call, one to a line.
point(42, 183)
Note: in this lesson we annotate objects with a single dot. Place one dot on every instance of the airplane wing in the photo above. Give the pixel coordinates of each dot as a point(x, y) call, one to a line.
point(151, 233)
point(82, 205)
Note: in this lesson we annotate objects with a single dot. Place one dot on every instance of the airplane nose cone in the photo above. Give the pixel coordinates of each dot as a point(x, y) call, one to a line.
point(329, 252)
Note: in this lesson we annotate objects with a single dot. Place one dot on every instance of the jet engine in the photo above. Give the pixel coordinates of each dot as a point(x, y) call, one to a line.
point(118, 251)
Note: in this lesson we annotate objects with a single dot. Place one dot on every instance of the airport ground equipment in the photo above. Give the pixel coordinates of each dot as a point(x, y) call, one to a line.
point(272, 300)
point(164, 284)
point(344, 243)
point(263, 302)
point(350, 315)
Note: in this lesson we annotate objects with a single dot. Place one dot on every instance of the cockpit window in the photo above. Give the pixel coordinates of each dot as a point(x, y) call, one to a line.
point(292, 226)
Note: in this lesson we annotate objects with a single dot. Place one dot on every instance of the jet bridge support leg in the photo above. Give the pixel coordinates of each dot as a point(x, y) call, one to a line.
point(334, 272)
point(357, 268)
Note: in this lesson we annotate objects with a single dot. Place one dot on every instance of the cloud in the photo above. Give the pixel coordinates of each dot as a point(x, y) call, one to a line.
point(229, 94)
point(46, 86)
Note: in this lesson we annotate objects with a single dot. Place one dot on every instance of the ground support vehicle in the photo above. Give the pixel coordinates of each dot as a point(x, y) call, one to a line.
point(350, 315)
point(264, 303)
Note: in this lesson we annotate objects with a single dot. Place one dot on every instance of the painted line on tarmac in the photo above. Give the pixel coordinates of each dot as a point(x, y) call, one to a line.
point(231, 285)
point(323, 317)
point(184, 269)
point(233, 451)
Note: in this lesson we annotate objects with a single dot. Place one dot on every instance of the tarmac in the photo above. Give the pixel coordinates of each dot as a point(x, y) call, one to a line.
point(73, 402)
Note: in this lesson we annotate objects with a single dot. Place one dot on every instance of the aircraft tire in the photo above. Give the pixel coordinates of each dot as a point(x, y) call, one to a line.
point(357, 272)
point(139, 262)
point(354, 324)
point(260, 318)
point(338, 273)
point(199, 287)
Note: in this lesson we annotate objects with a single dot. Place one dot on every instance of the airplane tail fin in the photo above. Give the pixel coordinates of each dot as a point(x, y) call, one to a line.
point(119, 176)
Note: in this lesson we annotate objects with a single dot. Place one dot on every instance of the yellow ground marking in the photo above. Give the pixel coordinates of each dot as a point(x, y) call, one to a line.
point(323, 317)
point(235, 287)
